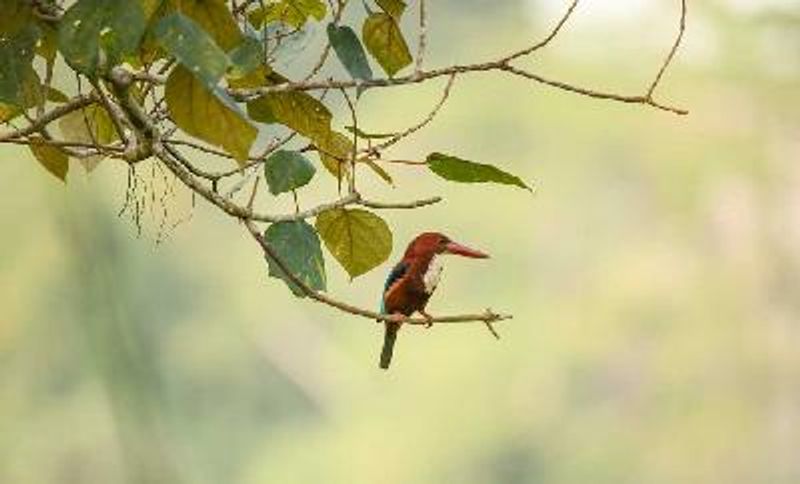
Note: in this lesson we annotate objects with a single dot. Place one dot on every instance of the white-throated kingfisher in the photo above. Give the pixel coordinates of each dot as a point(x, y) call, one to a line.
point(412, 281)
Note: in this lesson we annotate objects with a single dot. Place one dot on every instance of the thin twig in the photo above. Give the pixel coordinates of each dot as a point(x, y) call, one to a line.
point(671, 54)
point(422, 42)
point(351, 176)
point(425, 121)
point(542, 43)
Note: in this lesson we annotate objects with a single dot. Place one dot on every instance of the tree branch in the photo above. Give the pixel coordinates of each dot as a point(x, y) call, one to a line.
point(423, 34)
point(171, 158)
point(146, 134)
point(502, 64)
point(41, 122)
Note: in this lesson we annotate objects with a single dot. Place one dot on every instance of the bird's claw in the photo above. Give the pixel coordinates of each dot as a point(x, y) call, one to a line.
point(428, 318)
point(396, 318)
point(392, 318)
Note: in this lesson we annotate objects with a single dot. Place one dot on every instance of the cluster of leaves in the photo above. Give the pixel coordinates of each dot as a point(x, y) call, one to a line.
point(208, 49)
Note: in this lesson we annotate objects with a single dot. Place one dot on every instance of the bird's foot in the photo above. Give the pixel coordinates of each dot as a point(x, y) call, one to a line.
point(429, 318)
point(396, 318)
point(392, 318)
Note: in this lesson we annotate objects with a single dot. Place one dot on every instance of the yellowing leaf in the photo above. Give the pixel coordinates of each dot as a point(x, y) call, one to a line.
point(51, 158)
point(91, 124)
point(256, 78)
point(202, 114)
point(215, 18)
point(8, 112)
point(290, 12)
point(385, 42)
point(149, 7)
point(358, 239)
point(335, 151)
point(16, 15)
point(294, 109)
point(395, 8)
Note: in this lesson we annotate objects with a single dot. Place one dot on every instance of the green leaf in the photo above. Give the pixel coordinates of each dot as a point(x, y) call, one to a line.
point(349, 51)
point(297, 110)
point(202, 114)
point(193, 48)
point(91, 124)
point(52, 158)
point(150, 49)
point(385, 42)
point(395, 8)
point(56, 96)
point(287, 170)
point(214, 17)
point(16, 56)
point(463, 171)
point(92, 26)
point(47, 47)
point(245, 58)
point(297, 245)
point(290, 12)
point(260, 110)
point(257, 78)
point(31, 96)
point(362, 134)
point(358, 239)
point(378, 169)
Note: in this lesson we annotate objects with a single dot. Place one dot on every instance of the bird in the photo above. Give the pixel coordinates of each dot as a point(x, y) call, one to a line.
point(412, 281)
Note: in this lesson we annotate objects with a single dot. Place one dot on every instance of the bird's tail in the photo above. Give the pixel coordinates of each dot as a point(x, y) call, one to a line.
point(389, 337)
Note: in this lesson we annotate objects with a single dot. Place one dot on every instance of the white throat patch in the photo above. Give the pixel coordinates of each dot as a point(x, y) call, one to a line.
point(433, 274)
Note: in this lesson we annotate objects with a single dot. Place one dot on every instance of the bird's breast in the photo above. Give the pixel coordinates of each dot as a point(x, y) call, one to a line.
point(432, 274)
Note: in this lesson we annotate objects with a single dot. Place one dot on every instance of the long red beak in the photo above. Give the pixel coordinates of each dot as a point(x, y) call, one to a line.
point(458, 249)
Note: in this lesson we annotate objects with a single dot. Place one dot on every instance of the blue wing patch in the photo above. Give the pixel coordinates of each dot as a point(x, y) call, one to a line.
point(397, 272)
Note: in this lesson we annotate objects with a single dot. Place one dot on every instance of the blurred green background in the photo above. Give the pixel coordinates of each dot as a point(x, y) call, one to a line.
point(654, 278)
